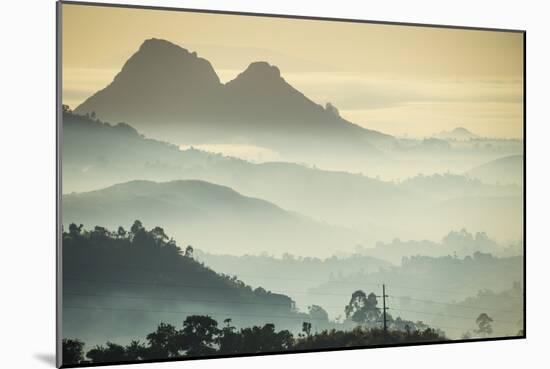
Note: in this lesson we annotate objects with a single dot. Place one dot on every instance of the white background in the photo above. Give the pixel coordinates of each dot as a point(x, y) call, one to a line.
point(27, 203)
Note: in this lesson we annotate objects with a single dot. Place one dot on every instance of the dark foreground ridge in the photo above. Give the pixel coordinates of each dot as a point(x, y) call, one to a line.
point(201, 336)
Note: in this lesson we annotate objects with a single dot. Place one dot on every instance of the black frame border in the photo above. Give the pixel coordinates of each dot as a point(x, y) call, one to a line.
point(59, 177)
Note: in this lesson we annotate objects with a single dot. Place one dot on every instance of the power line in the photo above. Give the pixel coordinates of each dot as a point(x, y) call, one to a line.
point(196, 286)
point(455, 305)
point(449, 316)
point(287, 317)
point(143, 267)
point(186, 312)
point(280, 292)
point(183, 299)
point(155, 298)
point(450, 290)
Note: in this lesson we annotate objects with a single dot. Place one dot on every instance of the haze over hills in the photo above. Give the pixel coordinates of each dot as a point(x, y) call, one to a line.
point(445, 280)
point(208, 216)
point(503, 170)
point(275, 273)
point(168, 92)
point(97, 155)
point(224, 195)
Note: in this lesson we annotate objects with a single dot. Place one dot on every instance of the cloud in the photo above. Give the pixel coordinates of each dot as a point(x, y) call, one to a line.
point(351, 91)
point(252, 153)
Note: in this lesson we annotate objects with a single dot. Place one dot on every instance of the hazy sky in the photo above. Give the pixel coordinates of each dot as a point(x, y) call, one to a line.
point(397, 79)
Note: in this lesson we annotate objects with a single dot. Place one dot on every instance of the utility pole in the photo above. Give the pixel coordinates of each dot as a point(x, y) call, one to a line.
point(384, 306)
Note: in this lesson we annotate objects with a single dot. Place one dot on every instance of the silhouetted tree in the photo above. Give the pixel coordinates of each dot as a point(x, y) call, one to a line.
point(136, 227)
point(109, 354)
point(355, 308)
point(265, 339)
point(75, 230)
point(198, 335)
point(136, 351)
point(362, 308)
point(228, 340)
point(73, 351)
point(483, 322)
point(159, 235)
point(99, 233)
point(317, 313)
point(306, 328)
point(466, 335)
point(164, 342)
point(189, 251)
point(371, 308)
point(121, 232)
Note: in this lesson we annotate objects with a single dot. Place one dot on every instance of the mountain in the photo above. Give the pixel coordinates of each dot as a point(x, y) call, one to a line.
point(504, 170)
point(457, 134)
point(157, 85)
point(206, 215)
point(168, 92)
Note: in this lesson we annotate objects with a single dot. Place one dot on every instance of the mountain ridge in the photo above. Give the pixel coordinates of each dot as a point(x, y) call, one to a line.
point(203, 213)
point(458, 133)
point(96, 155)
point(165, 91)
point(508, 169)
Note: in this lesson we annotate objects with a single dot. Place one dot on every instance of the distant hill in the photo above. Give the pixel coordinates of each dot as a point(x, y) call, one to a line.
point(460, 243)
point(168, 92)
point(209, 216)
point(503, 170)
point(277, 273)
point(446, 279)
point(458, 134)
point(505, 307)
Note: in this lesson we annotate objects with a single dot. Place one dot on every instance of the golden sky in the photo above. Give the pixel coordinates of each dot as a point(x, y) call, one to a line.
point(402, 80)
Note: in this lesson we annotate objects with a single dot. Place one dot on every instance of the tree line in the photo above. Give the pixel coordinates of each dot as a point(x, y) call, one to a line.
point(202, 336)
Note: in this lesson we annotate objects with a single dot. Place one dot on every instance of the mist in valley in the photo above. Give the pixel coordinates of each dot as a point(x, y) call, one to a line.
point(246, 210)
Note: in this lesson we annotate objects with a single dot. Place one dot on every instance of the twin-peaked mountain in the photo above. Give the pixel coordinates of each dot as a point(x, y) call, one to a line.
point(168, 92)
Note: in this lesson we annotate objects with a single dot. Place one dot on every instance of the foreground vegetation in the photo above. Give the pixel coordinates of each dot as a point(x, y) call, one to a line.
point(202, 336)
point(139, 255)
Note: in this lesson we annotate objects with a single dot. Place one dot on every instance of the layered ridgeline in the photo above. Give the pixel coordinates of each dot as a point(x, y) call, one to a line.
point(118, 285)
point(467, 275)
point(448, 292)
point(168, 92)
point(457, 134)
point(308, 272)
point(503, 170)
point(209, 216)
point(302, 273)
point(97, 155)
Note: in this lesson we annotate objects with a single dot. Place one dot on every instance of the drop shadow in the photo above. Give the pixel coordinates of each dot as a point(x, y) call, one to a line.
point(46, 358)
